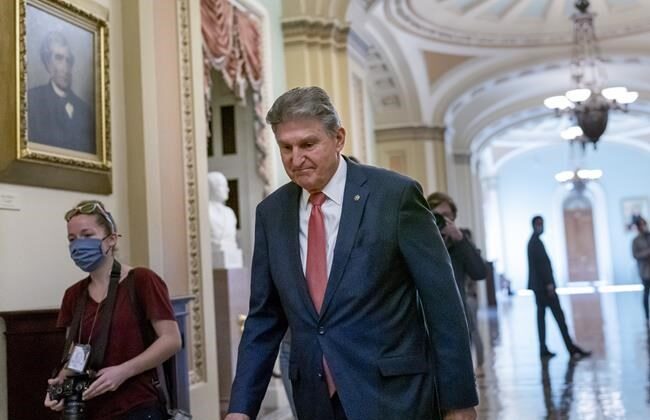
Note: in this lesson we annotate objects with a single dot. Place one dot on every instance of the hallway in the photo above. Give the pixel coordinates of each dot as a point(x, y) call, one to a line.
point(612, 384)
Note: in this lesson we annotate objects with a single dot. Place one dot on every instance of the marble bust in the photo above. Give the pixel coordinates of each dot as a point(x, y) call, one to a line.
point(223, 225)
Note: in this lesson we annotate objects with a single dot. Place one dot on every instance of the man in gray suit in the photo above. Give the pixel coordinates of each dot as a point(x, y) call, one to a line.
point(349, 258)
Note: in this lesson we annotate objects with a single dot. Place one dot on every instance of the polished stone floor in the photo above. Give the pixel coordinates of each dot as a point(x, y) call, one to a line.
point(612, 384)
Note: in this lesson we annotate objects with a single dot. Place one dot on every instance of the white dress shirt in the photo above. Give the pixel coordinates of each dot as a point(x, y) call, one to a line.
point(331, 210)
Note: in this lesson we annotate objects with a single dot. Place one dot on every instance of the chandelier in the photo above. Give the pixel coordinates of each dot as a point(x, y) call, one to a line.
point(577, 179)
point(588, 103)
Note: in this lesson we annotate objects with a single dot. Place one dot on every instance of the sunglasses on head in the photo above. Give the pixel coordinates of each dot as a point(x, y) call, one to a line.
point(91, 208)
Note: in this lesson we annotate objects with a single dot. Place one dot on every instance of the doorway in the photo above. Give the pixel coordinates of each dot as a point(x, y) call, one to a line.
point(579, 235)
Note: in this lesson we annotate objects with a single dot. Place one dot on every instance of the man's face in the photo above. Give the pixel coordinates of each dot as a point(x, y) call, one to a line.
point(310, 155)
point(444, 209)
point(60, 66)
point(539, 226)
point(642, 226)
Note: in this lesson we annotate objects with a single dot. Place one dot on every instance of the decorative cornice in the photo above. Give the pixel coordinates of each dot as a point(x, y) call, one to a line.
point(421, 133)
point(305, 30)
point(197, 363)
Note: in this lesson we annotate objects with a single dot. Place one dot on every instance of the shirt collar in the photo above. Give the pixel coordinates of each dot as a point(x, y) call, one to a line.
point(59, 92)
point(335, 188)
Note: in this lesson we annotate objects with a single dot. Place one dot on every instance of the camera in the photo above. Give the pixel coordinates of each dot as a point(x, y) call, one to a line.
point(72, 388)
point(440, 220)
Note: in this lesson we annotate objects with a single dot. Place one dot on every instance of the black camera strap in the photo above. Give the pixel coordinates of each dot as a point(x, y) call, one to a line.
point(106, 315)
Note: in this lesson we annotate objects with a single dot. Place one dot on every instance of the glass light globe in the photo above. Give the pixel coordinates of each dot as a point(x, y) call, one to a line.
point(571, 133)
point(628, 97)
point(557, 102)
point(614, 93)
point(578, 95)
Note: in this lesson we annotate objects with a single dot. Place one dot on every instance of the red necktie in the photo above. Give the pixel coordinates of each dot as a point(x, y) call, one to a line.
point(316, 271)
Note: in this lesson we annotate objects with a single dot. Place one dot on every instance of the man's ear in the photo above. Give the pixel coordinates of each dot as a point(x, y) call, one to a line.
point(340, 139)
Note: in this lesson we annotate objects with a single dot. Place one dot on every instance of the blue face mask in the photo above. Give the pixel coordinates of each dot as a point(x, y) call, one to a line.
point(87, 253)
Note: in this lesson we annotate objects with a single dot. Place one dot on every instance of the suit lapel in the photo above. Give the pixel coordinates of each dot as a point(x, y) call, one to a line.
point(354, 202)
point(293, 235)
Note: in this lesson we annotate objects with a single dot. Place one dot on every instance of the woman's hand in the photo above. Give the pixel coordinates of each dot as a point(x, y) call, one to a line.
point(108, 379)
point(451, 231)
point(53, 404)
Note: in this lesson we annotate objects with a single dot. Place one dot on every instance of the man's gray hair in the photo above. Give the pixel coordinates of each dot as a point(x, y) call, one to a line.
point(53, 37)
point(305, 103)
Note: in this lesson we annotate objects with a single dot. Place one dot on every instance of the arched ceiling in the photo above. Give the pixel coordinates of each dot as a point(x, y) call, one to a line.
point(632, 129)
point(515, 92)
point(511, 23)
point(477, 86)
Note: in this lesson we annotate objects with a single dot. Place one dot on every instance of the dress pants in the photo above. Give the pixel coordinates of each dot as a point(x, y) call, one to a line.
point(552, 302)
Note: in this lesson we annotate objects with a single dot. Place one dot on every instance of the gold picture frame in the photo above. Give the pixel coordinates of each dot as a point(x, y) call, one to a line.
point(54, 71)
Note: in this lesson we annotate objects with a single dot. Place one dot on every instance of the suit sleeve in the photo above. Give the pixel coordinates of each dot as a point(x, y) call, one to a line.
point(264, 328)
point(540, 264)
point(428, 261)
point(473, 263)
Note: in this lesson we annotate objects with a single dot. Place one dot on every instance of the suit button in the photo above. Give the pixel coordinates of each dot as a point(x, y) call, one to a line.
point(321, 330)
point(320, 375)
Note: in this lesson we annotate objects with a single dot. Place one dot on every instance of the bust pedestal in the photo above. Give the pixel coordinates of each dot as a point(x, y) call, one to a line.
point(226, 257)
point(231, 296)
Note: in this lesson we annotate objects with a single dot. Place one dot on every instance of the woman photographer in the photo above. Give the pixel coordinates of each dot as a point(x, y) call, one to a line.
point(122, 386)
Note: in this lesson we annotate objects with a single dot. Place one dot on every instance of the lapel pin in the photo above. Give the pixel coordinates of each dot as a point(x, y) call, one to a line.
point(357, 197)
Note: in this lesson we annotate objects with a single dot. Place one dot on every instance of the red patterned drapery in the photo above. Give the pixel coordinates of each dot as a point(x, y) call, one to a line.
point(232, 45)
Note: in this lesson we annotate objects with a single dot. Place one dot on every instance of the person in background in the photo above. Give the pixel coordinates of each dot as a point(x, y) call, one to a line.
point(123, 387)
point(542, 283)
point(641, 253)
point(466, 261)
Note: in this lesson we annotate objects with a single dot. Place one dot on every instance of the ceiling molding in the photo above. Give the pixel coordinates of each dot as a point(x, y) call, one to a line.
point(522, 24)
point(410, 134)
point(300, 30)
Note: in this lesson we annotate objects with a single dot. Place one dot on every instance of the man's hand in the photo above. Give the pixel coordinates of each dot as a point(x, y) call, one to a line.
point(237, 416)
point(461, 414)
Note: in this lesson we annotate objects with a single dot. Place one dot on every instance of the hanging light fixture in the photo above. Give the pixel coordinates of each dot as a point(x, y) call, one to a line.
point(588, 104)
point(577, 179)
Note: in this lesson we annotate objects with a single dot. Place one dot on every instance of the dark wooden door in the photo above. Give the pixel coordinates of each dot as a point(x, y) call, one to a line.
point(34, 348)
point(580, 243)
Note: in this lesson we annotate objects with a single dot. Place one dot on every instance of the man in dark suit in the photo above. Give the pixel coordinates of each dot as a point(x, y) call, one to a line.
point(349, 258)
point(56, 116)
point(542, 283)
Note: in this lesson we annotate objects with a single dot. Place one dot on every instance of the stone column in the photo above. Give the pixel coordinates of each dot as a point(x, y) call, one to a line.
point(418, 152)
point(315, 51)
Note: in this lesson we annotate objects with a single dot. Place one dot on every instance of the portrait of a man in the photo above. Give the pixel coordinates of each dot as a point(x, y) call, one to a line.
point(57, 116)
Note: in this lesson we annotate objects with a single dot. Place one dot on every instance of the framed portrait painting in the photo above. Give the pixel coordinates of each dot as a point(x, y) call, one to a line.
point(634, 207)
point(56, 131)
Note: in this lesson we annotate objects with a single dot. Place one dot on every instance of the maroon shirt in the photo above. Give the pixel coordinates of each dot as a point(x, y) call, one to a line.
point(125, 340)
